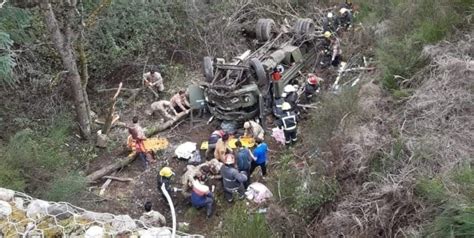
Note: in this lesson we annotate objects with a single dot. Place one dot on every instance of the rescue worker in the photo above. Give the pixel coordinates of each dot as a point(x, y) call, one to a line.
point(260, 154)
point(254, 130)
point(336, 57)
point(153, 79)
point(179, 102)
point(201, 197)
point(276, 74)
point(345, 17)
point(222, 148)
point(211, 142)
point(164, 178)
point(290, 95)
point(232, 179)
point(277, 106)
point(312, 86)
point(244, 158)
point(162, 108)
point(152, 218)
point(288, 123)
point(330, 23)
point(138, 135)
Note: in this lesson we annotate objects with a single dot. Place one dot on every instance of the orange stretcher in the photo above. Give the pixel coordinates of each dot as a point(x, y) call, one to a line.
point(248, 142)
point(151, 144)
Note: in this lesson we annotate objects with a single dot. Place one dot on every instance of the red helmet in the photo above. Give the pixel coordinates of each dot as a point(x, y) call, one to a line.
point(312, 79)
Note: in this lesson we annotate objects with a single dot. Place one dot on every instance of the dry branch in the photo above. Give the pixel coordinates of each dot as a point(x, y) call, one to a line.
point(119, 178)
point(110, 112)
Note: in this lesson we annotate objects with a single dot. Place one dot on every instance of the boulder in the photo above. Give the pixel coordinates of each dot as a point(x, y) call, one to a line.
point(60, 211)
point(155, 232)
point(37, 208)
point(19, 203)
point(123, 223)
point(6, 194)
point(95, 216)
point(5, 209)
point(94, 232)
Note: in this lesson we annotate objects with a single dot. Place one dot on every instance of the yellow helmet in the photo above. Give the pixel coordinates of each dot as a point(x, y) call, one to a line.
point(166, 172)
point(327, 34)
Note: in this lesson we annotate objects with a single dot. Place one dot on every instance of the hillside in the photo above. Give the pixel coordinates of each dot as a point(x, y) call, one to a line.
point(384, 150)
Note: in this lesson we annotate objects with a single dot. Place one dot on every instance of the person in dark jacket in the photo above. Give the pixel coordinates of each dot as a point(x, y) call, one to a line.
point(288, 123)
point(232, 179)
point(330, 22)
point(244, 158)
point(277, 106)
point(290, 95)
point(201, 197)
point(311, 87)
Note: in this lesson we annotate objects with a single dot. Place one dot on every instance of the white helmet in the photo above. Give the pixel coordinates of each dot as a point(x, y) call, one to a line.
point(330, 15)
point(285, 106)
point(289, 89)
point(343, 10)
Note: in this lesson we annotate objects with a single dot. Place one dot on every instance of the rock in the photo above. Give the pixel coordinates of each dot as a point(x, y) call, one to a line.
point(5, 209)
point(37, 208)
point(102, 140)
point(60, 211)
point(153, 219)
point(6, 194)
point(123, 223)
point(155, 232)
point(19, 203)
point(95, 216)
point(183, 226)
point(94, 232)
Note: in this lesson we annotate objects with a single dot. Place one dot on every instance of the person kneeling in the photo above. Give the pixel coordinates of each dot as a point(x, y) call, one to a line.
point(201, 197)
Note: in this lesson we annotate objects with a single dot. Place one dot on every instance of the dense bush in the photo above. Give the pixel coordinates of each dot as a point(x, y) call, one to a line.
point(410, 25)
point(238, 223)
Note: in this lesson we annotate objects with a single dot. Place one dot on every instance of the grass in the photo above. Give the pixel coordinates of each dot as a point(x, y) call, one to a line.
point(399, 50)
point(238, 223)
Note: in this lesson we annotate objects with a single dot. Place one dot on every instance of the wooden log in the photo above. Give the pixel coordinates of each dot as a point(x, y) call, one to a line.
point(120, 163)
point(104, 187)
point(161, 127)
point(105, 90)
point(118, 178)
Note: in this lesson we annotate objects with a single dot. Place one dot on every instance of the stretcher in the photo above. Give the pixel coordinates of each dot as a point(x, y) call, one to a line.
point(151, 144)
point(247, 142)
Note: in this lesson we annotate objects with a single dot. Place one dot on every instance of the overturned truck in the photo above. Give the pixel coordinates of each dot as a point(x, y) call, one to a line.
point(242, 88)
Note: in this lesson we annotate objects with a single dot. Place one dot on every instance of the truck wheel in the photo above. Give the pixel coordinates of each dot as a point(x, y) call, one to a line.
point(303, 26)
point(260, 73)
point(264, 29)
point(208, 68)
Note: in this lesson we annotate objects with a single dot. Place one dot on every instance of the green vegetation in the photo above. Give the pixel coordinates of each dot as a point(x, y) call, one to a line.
point(335, 113)
point(39, 159)
point(409, 27)
point(238, 223)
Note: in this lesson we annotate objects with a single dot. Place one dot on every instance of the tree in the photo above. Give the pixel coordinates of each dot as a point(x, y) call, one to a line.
point(63, 37)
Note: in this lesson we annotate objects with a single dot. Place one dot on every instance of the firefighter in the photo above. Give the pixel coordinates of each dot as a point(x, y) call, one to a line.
point(290, 95)
point(232, 180)
point(288, 123)
point(330, 23)
point(277, 106)
point(311, 87)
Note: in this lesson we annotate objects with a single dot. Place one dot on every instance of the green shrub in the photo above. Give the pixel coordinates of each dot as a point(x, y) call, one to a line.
point(464, 178)
point(67, 188)
point(325, 121)
point(431, 190)
point(35, 157)
point(238, 223)
point(456, 221)
point(429, 21)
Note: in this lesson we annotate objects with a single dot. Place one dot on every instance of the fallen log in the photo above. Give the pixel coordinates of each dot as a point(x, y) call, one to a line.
point(120, 163)
point(161, 127)
point(118, 178)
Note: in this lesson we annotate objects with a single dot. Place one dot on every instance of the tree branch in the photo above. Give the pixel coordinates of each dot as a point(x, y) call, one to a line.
point(3, 2)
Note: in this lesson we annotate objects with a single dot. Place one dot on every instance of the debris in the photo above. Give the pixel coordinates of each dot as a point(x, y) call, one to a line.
point(119, 179)
point(185, 150)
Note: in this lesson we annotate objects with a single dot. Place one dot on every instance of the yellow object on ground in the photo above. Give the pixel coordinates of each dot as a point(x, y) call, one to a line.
point(248, 142)
point(151, 144)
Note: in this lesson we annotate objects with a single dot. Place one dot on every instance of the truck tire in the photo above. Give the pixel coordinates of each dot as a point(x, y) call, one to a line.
point(303, 26)
point(208, 68)
point(264, 29)
point(260, 73)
